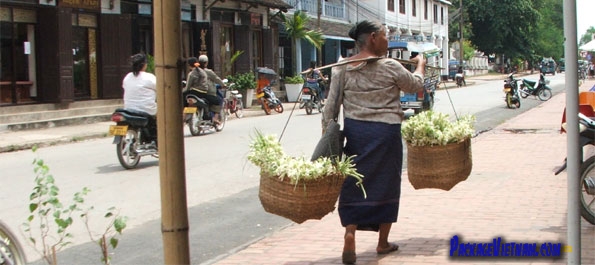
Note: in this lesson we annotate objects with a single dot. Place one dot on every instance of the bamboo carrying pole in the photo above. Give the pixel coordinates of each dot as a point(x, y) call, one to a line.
point(368, 59)
point(174, 212)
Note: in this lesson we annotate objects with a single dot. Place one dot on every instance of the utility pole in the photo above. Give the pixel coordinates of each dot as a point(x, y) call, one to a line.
point(461, 34)
point(168, 64)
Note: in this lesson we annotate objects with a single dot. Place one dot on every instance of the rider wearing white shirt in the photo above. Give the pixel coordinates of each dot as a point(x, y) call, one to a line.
point(140, 87)
point(140, 92)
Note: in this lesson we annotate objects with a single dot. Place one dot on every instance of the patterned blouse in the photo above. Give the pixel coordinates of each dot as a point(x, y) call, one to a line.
point(372, 91)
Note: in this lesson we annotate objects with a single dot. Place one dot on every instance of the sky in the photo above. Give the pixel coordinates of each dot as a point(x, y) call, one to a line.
point(585, 16)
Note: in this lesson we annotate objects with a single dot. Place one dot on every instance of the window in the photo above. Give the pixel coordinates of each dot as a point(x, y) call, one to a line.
point(402, 6)
point(17, 50)
point(442, 15)
point(436, 14)
point(413, 8)
point(391, 5)
point(426, 9)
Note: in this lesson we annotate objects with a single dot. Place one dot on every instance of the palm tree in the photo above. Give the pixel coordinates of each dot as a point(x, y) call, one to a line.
point(295, 26)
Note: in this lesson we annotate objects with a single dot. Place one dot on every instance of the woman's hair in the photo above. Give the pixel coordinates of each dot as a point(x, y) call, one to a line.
point(312, 64)
point(193, 62)
point(360, 31)
point(138, 62)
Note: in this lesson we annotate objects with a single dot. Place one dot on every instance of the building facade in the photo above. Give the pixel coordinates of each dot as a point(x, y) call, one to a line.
point(61, 51)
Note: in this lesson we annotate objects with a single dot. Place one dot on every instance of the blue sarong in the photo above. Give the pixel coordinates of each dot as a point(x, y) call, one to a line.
point(379, 157)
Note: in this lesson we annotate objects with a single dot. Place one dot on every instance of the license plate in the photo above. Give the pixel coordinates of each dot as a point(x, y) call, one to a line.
point(118, 129)
point(259, 95)
point(507, 89)
point(190, 110)
point(306, 97)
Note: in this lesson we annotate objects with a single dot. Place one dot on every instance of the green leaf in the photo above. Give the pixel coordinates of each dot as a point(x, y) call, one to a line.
point(33, 207)
point(114, 242)
point(108, 214)
point(120, 224)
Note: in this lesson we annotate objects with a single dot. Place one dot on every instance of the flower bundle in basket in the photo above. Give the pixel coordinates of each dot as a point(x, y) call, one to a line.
point(438, 150)
point(295, 187)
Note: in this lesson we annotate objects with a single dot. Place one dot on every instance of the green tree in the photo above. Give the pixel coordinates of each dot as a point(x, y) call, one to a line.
point(503, 27)
point(296, 29)
point(588, 36)
point(548, 33)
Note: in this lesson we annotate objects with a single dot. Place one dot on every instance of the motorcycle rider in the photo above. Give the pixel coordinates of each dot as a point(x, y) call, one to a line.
point(140, 92)
point(197, 84)
point(460, 77)
point(213, 81)
point(312, 80)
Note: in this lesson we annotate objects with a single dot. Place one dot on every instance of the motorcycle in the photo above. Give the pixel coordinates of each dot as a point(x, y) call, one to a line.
point(232, 102)
point(539, 89)
point(587, 168)
point(199, 117)
point(133, 137)
point(460, 80)
point(269, 101)
point(511, 89)
point(11, 251)
point(310, 100)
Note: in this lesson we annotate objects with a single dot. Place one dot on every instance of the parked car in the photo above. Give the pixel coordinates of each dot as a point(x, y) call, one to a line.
point(548, 66)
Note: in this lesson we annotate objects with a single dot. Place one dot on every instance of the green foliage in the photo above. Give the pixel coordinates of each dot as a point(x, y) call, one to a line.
point(296, 29)
point(294, 80)
point(468, 50)
point(587, 36)
point(228, 66)
point(243, 81)
point(49, 221)
point(503, 27)
point(150, 64)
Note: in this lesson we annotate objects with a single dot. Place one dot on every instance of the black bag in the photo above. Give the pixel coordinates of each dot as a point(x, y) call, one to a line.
point(331, 143)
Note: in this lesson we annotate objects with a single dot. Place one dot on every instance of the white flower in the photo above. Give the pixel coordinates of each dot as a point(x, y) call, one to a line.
point(435, 128)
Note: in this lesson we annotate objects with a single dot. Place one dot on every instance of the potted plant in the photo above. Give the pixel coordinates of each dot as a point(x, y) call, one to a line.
point(245, 83)
point(293, 86)
point(438, 149)
point(296, 187)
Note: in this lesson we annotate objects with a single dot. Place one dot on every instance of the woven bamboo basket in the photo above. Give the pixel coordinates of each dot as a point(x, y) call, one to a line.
point(312, 199)
point(439, 167)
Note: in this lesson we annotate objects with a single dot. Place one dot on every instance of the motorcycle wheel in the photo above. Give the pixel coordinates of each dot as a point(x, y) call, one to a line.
point(524, 93)
point(587, 170)
point(509, 100)
point(544, 94)
point(10, 247)
point(279, 107)
point(126, 150)
point(308, 108)
point(265, 106)
point(239, 109)
point(193, 125)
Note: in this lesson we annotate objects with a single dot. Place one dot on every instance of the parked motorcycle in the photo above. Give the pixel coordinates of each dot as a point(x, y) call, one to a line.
point(199, 117)
point(269, 101)
point(232, 102)
point(587, 169)
point(539, 89)
point(133, 137)
point(511, 89)
point(310, 100)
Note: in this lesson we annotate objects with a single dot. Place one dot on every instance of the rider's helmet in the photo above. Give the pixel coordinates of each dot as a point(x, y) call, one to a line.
point(203, 59)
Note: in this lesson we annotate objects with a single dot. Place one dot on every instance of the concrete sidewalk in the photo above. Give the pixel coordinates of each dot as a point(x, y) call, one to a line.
point(511, 193)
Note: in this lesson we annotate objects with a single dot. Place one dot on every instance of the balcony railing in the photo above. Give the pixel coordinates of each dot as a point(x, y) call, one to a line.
point(328, 9)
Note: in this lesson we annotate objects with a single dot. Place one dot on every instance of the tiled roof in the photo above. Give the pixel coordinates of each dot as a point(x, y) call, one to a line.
point(330, 27)
point(279, 4)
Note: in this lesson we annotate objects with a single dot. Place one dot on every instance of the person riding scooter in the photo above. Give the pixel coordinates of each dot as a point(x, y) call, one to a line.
point(212, 81)
point(312, 81)
point(460, 77)
point(197, 84)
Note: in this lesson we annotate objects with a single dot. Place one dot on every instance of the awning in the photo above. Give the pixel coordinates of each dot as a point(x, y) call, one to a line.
point(337, 38)
point(590, 46)
point(427, 48)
